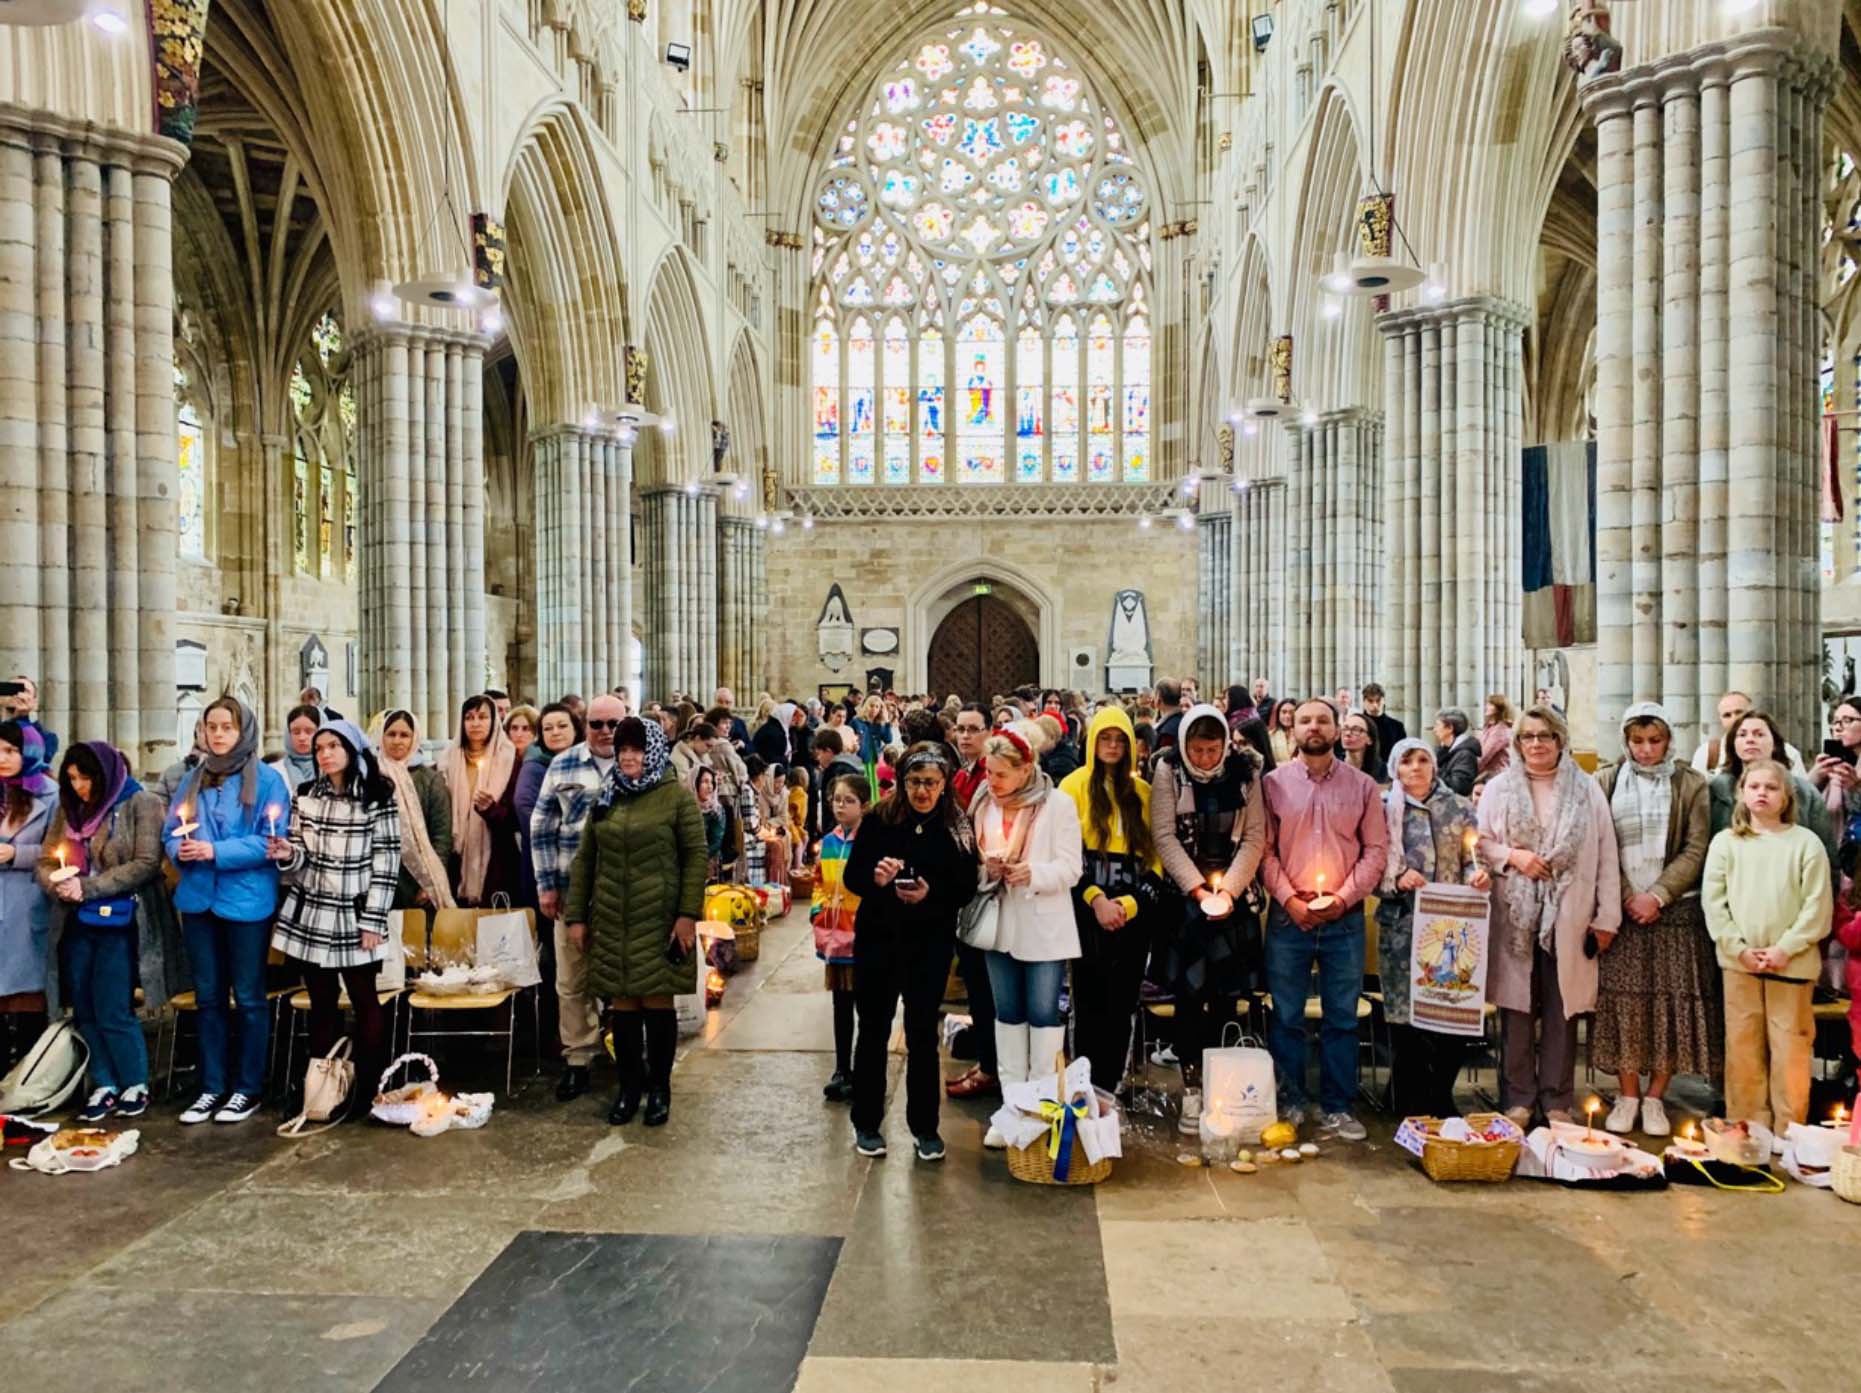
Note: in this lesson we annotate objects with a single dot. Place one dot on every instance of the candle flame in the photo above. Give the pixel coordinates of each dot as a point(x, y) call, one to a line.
point(1593, 1105)
point(61, 857)
point(1686, 1131)
point(1841, 1113)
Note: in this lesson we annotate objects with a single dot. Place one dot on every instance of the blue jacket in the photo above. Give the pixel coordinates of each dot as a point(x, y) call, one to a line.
point(238, 883)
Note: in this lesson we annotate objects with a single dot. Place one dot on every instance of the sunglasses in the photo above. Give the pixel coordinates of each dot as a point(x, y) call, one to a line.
point(604, 725)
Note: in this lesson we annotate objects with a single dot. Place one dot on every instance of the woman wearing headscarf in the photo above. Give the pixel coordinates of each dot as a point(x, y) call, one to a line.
point(110, 828)
point(1030, 845)
point(557, 729)
point(636, 889)
point(341, 859)
point(425, 807)
point(1115, 902)
point(215, 835)
point(771, 739)
point(481, 775)
point(1432, 837)
point(298, 763)
point(913, 867)
point(27, 798)
point(1652, 1014)
point(1547, 834)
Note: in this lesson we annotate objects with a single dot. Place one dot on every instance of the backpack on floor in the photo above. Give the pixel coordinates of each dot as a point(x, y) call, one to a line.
point(49, 1073)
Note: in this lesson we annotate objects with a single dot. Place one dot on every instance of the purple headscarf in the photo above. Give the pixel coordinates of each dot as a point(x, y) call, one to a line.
point(83, 819)
point(25, 737)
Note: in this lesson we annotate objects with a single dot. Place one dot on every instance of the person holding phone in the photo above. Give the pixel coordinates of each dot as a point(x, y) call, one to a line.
point(1757, 736)
point(636, 889)
point(1838, 767)
point(913, 866)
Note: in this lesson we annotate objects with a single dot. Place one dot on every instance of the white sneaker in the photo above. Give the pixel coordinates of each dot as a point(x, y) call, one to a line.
point(1343, 1126)
point(1190, 1118)
point(994, 1140)
point(238, 1108)
point(1622, 1116)
point(1654, 1118)
point(201, 1109)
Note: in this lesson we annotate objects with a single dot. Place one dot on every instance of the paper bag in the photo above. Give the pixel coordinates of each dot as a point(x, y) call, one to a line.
point(393, 974)
point(505, 942)
point(1238, 1087)
point(690, 1010)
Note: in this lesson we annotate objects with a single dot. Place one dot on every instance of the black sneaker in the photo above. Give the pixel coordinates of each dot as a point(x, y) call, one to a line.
point(930, 1148)
point(572, 1084)
point(237, 1108)
point(102, 1103)
point(203, 1108)
point(869, 1144)
point(134, 1102)
point(839, 1089)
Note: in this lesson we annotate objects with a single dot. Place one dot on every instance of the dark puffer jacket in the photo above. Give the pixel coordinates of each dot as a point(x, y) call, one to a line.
point(639, 867)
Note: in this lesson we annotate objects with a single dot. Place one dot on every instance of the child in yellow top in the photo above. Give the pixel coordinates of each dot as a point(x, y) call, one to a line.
point(832, 911)
point(798, 816)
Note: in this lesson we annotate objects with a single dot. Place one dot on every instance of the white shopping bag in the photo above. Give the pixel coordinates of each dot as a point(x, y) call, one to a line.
point(1237, 1086)
point(690, 1009)
point(393, 974)
point(506, 943)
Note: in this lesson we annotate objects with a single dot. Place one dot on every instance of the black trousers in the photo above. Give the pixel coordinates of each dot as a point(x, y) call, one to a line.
point(1106, 980)
point(1423, 1067)
point(888, 967)
point(973, 965)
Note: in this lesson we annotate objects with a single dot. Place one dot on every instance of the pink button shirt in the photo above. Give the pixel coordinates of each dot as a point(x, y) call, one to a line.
point(1329, 826)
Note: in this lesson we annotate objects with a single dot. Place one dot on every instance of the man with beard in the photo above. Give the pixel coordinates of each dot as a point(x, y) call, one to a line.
point(1327, 842)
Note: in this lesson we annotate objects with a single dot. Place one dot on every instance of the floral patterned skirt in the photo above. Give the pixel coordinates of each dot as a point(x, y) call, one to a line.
point(1658, 1003)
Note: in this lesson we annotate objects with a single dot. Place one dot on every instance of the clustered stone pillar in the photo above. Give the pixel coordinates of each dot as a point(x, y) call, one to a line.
point(87, 421)
point(678, 539)
point(1216, 599)
point(743, 607)
point(1707, 354)
point(1334, 552)
point(1258, 582)
point(1454, 387)
point(584, 579)
point(421, 516)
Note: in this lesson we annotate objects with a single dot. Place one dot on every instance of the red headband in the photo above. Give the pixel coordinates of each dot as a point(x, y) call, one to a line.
point(1027, 753)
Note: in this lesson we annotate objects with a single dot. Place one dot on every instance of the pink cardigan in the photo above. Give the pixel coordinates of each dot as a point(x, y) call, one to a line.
point(1592, 900)
point(1495, 749)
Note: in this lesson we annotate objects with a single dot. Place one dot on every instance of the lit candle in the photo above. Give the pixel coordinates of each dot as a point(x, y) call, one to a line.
point(1590, 1107)
point(1219, 903)
point(271, 817)
point(63, 872)
point(1840, 1118)
point(1687, 1143)
point(182, 826)
point(1321, 900)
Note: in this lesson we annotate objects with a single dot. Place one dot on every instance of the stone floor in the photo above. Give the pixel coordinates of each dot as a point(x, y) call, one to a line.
point(746, 1247)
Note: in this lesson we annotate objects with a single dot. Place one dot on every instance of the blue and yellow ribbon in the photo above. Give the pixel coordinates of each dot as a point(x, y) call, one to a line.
point(1063, 1129)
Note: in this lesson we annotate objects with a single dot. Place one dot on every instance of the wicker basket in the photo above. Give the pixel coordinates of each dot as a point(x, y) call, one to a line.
point(1845, 1174)
point(1444, 1160)
point(1032, 1164)
point(401, 1106)
point(749, 942)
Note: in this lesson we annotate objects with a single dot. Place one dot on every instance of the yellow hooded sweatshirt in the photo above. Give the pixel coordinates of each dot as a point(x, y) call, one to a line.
point(1078, 786)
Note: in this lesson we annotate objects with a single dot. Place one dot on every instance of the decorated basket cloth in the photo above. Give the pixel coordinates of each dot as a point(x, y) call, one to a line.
point(1058, 1157)
point(1845, 1174)
point(403, 1106)
point(1445, 1159)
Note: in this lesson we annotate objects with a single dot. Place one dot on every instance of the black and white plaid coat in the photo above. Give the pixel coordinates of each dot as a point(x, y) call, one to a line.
point(339, 882)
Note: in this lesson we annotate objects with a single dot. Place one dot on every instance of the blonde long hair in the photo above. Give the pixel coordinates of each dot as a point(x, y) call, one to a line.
point(1741, 815)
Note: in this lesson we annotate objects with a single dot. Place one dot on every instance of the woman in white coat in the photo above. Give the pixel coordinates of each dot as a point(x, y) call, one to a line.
point(1030, 845)
point(1547, 835)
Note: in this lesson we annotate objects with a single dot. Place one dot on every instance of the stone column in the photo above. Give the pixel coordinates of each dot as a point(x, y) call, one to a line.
point(1334, 575)
point(1259, 631)
point(1707, 349)
point(1214, 654)
point(421, 520)
point(680, 571)
point(583, 586)
point(1454, 387)
point(742, 581)
point(87, 497)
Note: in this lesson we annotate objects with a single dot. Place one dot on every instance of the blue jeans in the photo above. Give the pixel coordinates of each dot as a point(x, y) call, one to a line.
point(226, 953)
point(1337, 949)
point(1026, 993)
point(100, 980)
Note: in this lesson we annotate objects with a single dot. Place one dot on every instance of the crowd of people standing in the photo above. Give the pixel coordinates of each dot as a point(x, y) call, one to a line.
point(1070, 858)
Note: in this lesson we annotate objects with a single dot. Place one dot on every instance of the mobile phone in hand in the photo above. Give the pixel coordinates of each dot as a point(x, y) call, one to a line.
point(1835, 749)
point(676, 952)
point(906, 882)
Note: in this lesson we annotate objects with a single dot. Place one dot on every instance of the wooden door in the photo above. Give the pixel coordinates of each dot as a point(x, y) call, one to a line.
point(982, 650)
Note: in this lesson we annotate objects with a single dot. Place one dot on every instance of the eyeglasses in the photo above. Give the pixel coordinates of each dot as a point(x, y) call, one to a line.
point(1532, 737)
point(1846, 721)
point(604, 725)
point(970, 729)
point(924, 785)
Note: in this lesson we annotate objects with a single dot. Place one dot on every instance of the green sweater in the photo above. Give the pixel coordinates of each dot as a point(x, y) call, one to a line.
point(1769, 891)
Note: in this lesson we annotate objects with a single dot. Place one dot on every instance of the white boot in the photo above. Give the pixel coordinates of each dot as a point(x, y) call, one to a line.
point(1010, 1067)
point(1044, 1043)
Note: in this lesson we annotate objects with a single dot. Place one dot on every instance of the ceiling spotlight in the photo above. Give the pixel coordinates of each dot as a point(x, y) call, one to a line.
point(1308, 417)
point(626, 435)
point(1738, 7)
point(1186, 520)
point(1235, 418)
point(1250, 429)
point(591, 419)
point(1240, 486)
point(105, 17)
point(778, 527)
point(667, 425)
point(1434, 289)
point(1540, 9)
point(1143, 523)
point(740, 491)
point(763, 523)
point(1263, 32)
point(493, 321)
point(692, 490)
point(1331, 309)
point(679, 56)
point(1338, 278)
point(807, 524)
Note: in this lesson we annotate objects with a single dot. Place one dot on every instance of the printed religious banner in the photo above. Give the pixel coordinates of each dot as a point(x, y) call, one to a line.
point(1447, 960)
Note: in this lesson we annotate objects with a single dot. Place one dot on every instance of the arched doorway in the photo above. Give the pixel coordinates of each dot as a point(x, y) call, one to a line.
point(982, 648)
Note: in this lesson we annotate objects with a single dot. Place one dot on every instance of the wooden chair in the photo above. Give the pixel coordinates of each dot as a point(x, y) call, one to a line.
point(188, 1003)
point(453, 940)
point(413, 943)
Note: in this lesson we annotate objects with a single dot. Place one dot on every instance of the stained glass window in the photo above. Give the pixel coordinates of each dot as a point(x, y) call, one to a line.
point(326, 518)
point(191, 471)
point(300, 509)
point(982, 197)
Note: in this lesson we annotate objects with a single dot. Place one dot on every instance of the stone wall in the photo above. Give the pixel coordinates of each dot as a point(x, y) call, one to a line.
point(882, 566)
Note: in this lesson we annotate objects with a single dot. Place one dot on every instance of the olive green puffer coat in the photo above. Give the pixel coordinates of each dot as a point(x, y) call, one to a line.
point(640, 866)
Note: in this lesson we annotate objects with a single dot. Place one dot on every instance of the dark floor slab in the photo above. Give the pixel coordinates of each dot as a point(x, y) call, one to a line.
point(923, 1272)
point(643, 1312)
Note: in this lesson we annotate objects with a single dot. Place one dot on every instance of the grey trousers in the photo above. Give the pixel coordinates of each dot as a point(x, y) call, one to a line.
point(1540, 1072)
